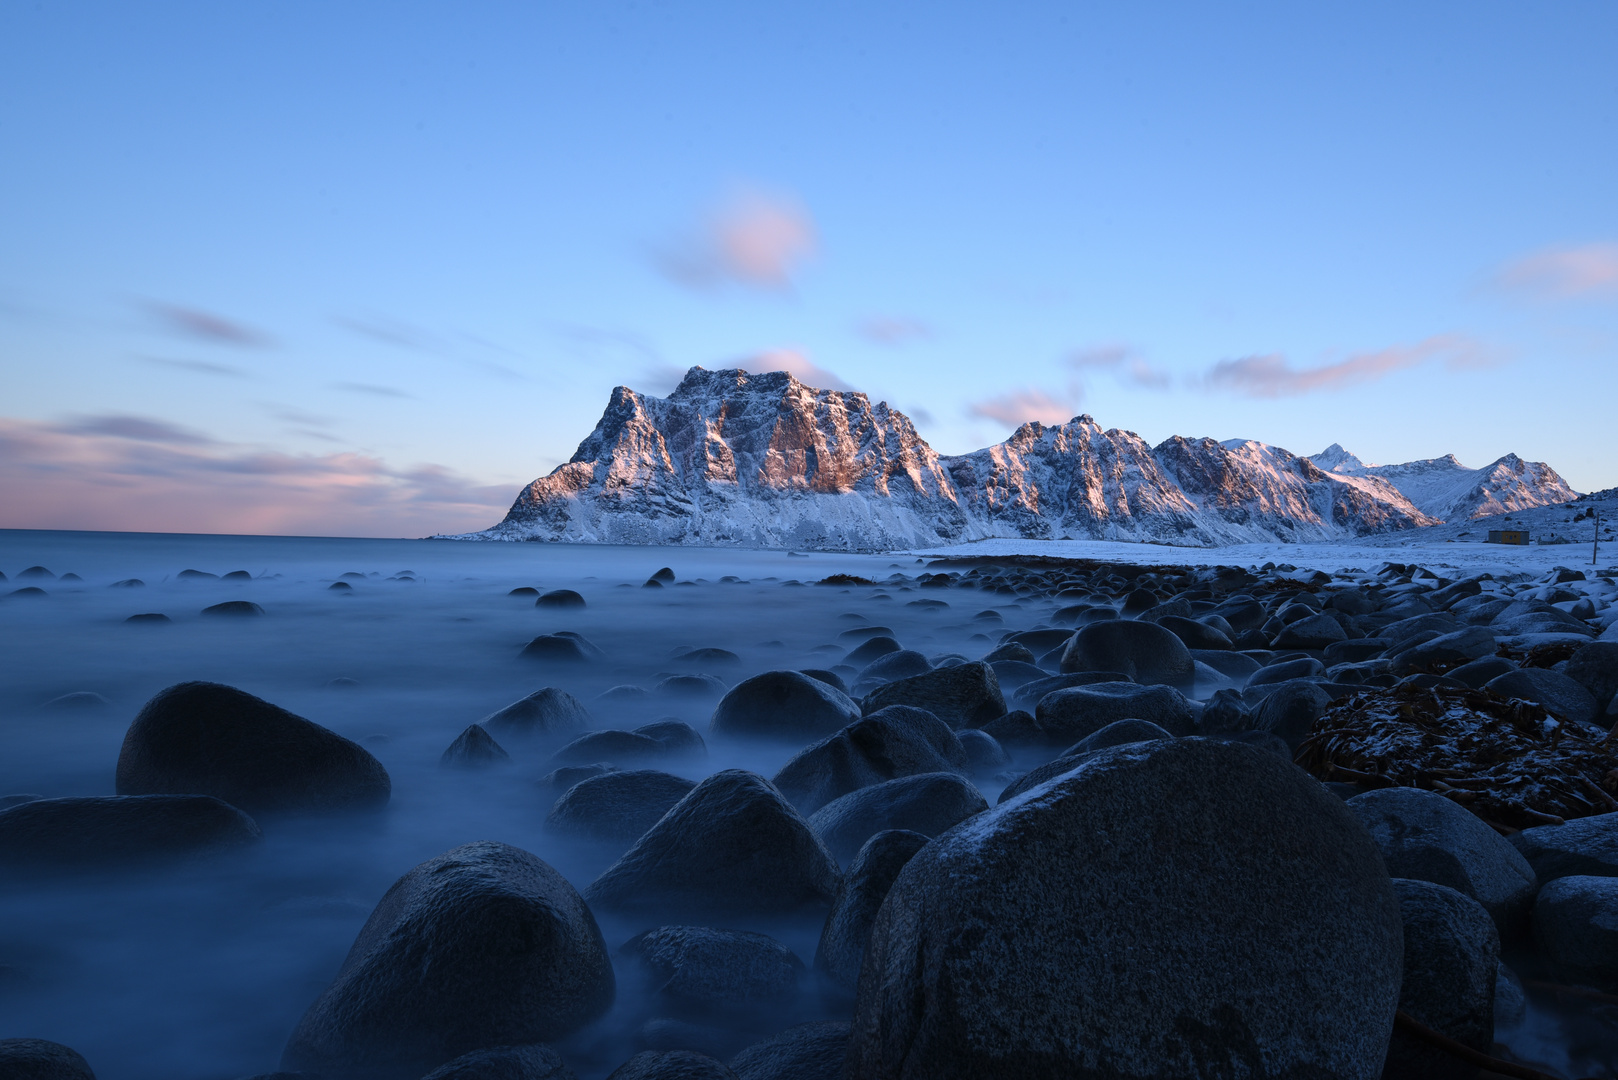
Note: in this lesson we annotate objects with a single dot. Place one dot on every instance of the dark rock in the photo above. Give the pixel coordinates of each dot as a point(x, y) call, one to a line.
point(1016, 728)
point(830, 678)
point(665, 575)
point(872, 649)
point(616, 807)
point(930, 804)
point(1011, 674)
point(1479, 672)
point(975, 967)
point(8, 801)
point(651, 583)
point(149, 617)
point(966, 695)
point(475, 748)
point(183, 575)
point(865, 885)
point(560, 598)
point(209, 739)
point(708, 656)
point(892, 742)
point(814, 1051)
point(560, 780)
point(1225, 713)
point(1451, 960)
point(548, 715)
point(1595, 667)
point(1310, 632)
point(678, 738)
point(984, 754)
point(1232, 665)
point(523, 590)
point(733, 848)
point(1576, 928)
point(1586, 847)
point(1011, 650)
point(1040, 642)
point(1287, 670)
point(1355, 651)
point(37, 1059)
point(1145, 652)
point(1069, 715)
point(555, 649)
point(1510, 1001)
point(339, 586)
point(118, 830)
point(531, 1062)
point(1291, 709)
point(1262, 740)
point(667, 1033)
point(1030, 693)
point(1460, 647)
point(672, 1065)
point(39, 573)
point(782, 705)
point(1196, 635)
point(618, 747)
point(483, 946)
point(698, 972)
point(1425, 836)
point(895, 665)
point(27, 592)
point(691, 687)
point(1117, 734)
point(233, 609)
point(1562, 697)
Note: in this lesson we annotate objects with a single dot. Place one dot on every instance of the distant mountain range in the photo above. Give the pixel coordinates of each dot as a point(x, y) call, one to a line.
point(763, 460)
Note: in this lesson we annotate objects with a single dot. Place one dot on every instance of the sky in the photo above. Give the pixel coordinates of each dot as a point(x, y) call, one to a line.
point(367, 269)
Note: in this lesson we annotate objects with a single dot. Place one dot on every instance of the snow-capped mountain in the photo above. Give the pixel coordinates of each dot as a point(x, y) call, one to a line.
point(763, 460)
point(1445, 489)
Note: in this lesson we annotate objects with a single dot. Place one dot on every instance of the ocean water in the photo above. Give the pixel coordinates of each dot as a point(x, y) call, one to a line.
point(201, 970)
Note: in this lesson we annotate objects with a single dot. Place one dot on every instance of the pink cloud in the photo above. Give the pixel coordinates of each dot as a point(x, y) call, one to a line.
point(1564, 273)
point(1024, 406)
point(1273, 376)
point(1127, 364)
point(795, 364)
point(205, 325)
point(753, 239)
point(129, 473)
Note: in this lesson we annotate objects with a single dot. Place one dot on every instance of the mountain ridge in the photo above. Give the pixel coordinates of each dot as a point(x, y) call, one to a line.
point(761, 459)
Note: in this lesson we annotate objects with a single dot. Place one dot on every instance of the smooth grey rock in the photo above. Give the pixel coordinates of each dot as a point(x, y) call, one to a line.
point(782, 705)
point(1576, 928)
point(1451, 962)
point(1117, 734)
point(865, 885)
point(1479, 672)
point(1196, 635)
point(40, 1059)
point(699, 972)
point(895, 665)
point(1066, 716)
point(965, 695)
point(202, 738)
point(1225, 713)
point(1286, 670)
point(929, 804)
point(984, 754)
point(889, 743)
point(474, 748)
point(1561, 696)
point(985, 957)
point(1144, 651)
point(1030, 693)
point(483, 946)
point(1460, 647)
point(814, 1051)
point(1310, 632)
point(1595, 667)
point(616, 807)
point(1585, 847)
point(1425, 836)
point(549, 715)
point(1291, 709)
point(732, 849)
point(90, 832)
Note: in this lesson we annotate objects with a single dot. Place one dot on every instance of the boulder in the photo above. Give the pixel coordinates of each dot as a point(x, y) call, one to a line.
point(1117, 734)
point(232, 609)
point(678, 738)
point(202, 738)
point(1451, 962)
point(1479, 672)
point(548, 715)
point(865, 886)
point(1235, 666)
point(1585, 846)
point(1310, 632)
point(483, 946)
point(1066, 716)
point(889, 743)
point(118, 830)
point(700, 973)
point(1291, 709)
point(1576, 928)
point(671, 1065)
point(1561, 696)
point(895, 665)
point(965, 695)
point(929, 804)
point(1425, 836)
point(1451, 650)
point(986, 957)
point(1196, 635)
point(732, 849)
point(782, 705)
point(474, 748)
point(39, 1059)
point(984, 754)
point(556, 649)
point(871, 649)
point(619, 747)
point(814, 1051)
point(560, 598)
point(531, 1062)
point(1225, 713)
point(1595, 667)
point(616, 807)
point(1031, 692)
point(1303, 667)
point(1144, 651)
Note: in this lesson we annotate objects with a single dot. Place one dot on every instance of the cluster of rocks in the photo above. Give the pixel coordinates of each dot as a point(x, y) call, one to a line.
point(1157, 891)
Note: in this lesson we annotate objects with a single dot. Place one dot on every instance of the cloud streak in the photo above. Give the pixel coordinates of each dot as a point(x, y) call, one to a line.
point(1027, 405)
point(795, 364)
point(141, 474)
point(754, 239)
point(197, 367)
point(1128, 365)
point(1564, 273)
point(199, 325)
point(894, 332)
point(1273, 376)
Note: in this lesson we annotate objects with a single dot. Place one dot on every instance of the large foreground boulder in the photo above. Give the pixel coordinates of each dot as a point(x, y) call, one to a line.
point(1144, 651)
point(1452, 960)
point(40, 1059)
point(1168, 909)
point(118, 830)
point(963, 696)
point(732, 849)
point(782, 705)
point(203, 738)
point(483, 946)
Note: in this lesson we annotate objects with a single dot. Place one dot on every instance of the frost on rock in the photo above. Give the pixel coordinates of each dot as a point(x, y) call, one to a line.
point(761, 460)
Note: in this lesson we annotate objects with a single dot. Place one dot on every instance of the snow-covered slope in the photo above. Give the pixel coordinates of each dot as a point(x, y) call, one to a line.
point(763, 460)
point(1445, 489)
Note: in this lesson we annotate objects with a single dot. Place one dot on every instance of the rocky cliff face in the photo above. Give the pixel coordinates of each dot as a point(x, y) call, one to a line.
point(1445, 489)
point(763, 460)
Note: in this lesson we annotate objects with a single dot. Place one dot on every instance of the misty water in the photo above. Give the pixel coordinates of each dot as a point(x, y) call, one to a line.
point(201, 968)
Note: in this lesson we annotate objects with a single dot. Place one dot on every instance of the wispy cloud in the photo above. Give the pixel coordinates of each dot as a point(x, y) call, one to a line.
point(197, 367)
point(797, 365)
point(142, 474)
point(1026, 406)
point(894, 331)
point(1124, 362)
point(755, 238)
point(1564, 273)
point(1273, 376)
point(199, 325)
point(451, 347)
point(371, 389)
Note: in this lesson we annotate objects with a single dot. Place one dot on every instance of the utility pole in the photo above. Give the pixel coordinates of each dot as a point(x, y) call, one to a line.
point(1595, 541)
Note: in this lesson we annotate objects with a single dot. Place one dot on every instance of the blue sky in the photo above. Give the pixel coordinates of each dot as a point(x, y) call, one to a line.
point(366, 269)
